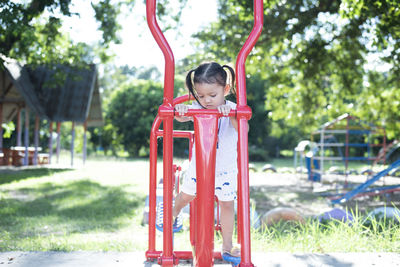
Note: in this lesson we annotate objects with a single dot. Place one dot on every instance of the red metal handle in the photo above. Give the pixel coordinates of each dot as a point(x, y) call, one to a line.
point(165, 48)
point(192, 112)
point(181, 99)
point(243, 114)
point(244, 52)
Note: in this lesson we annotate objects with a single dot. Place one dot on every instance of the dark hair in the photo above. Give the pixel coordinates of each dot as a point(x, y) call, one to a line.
point(210, 73)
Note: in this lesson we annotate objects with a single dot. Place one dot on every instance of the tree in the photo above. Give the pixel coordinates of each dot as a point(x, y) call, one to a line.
point(28, 34)
point(314, 58)
point(30, 31)
point(132, 110)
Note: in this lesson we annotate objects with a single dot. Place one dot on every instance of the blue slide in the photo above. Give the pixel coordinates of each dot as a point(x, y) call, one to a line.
point(361, 188)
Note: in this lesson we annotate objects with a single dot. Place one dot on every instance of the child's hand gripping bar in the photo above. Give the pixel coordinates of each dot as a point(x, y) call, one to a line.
point(193, 112)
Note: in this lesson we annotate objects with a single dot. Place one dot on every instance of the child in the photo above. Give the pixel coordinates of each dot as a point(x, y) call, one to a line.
point(209, 85)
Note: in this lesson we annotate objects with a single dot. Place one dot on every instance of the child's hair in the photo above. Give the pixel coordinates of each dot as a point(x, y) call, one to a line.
point(210, 73)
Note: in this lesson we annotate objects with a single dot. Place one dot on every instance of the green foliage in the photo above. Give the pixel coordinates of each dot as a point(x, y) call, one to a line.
point(132, 110)
point(107, 14)
point(114, 79)
point(314, 60)
point(30, 31)
point(8, 128)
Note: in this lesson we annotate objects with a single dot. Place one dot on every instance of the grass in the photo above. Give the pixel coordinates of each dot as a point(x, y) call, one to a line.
point(94, 208)
point(333, 236)
point(100, 207)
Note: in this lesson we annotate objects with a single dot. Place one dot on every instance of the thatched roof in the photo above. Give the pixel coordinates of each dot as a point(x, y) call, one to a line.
point(57, 93)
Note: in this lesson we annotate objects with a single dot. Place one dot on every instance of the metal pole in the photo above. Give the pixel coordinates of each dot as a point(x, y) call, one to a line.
point(153, 187)
point(243, 115)
point(166, 113)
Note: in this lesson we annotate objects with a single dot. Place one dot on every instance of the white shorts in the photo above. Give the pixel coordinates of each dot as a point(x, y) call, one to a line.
point(225, 184)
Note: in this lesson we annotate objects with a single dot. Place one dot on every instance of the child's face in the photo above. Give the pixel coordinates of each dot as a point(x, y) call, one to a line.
point(211, 95)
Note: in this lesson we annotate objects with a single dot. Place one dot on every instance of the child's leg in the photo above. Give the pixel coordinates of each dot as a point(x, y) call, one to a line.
point(227, 220)
point(181, 200)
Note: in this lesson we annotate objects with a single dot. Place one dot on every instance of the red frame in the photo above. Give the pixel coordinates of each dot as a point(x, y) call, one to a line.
point(205, 128)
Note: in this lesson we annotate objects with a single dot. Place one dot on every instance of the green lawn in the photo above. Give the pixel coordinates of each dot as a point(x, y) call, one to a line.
point(100, 207)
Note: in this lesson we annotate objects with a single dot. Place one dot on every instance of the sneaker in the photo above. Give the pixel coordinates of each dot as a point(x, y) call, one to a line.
point(177, 225)
point(160, 216)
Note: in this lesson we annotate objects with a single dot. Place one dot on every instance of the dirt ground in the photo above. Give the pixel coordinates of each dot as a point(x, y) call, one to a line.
point(272, 190)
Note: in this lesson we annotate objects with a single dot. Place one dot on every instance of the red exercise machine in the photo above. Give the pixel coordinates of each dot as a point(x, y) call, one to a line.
point(205, 138)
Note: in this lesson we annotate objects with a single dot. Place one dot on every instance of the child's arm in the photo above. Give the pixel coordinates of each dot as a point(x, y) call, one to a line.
point(181, 109)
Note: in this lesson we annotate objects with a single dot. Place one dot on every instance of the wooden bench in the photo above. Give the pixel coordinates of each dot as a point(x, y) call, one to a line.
point(16, 155)
point(1, 158)
point(11, 157)
point(43, 158)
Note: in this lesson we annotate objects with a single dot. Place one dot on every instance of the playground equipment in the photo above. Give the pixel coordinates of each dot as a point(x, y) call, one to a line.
point(386, 153)
point(351, 134)
point(303, 152)
point(300, 153)
point(204, 136)
point(362, 189)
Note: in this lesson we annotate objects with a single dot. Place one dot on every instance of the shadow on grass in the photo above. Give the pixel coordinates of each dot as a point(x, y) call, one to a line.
point(269, 197)
point(11, 175)
point(72, 207)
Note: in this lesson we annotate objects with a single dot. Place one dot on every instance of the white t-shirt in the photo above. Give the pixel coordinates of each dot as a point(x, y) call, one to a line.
point(226, 158)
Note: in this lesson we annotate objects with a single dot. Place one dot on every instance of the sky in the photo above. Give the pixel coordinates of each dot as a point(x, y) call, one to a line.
point(138, 47)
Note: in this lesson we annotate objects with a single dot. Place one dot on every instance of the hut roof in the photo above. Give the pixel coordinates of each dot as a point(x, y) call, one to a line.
point(10, 97)
point(58, 92)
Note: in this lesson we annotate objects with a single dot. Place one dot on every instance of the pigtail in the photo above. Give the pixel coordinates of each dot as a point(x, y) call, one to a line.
point(232, 78)
point(189, 85)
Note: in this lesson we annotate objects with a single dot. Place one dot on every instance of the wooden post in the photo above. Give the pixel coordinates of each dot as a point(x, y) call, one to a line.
point(84, 142)
point(19, 127)
point(72, 143)
point(36, 140)
point(1, 125)
point(58, 141)
point(26, 137)
point(50, 140)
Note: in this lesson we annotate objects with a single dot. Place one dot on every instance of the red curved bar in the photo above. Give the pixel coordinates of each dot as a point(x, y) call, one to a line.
point(181, 99)
point(244, 52)
point(243, 115)
point(166, 113)
point(193, 112)
point(165, 48)
point(152, 186)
